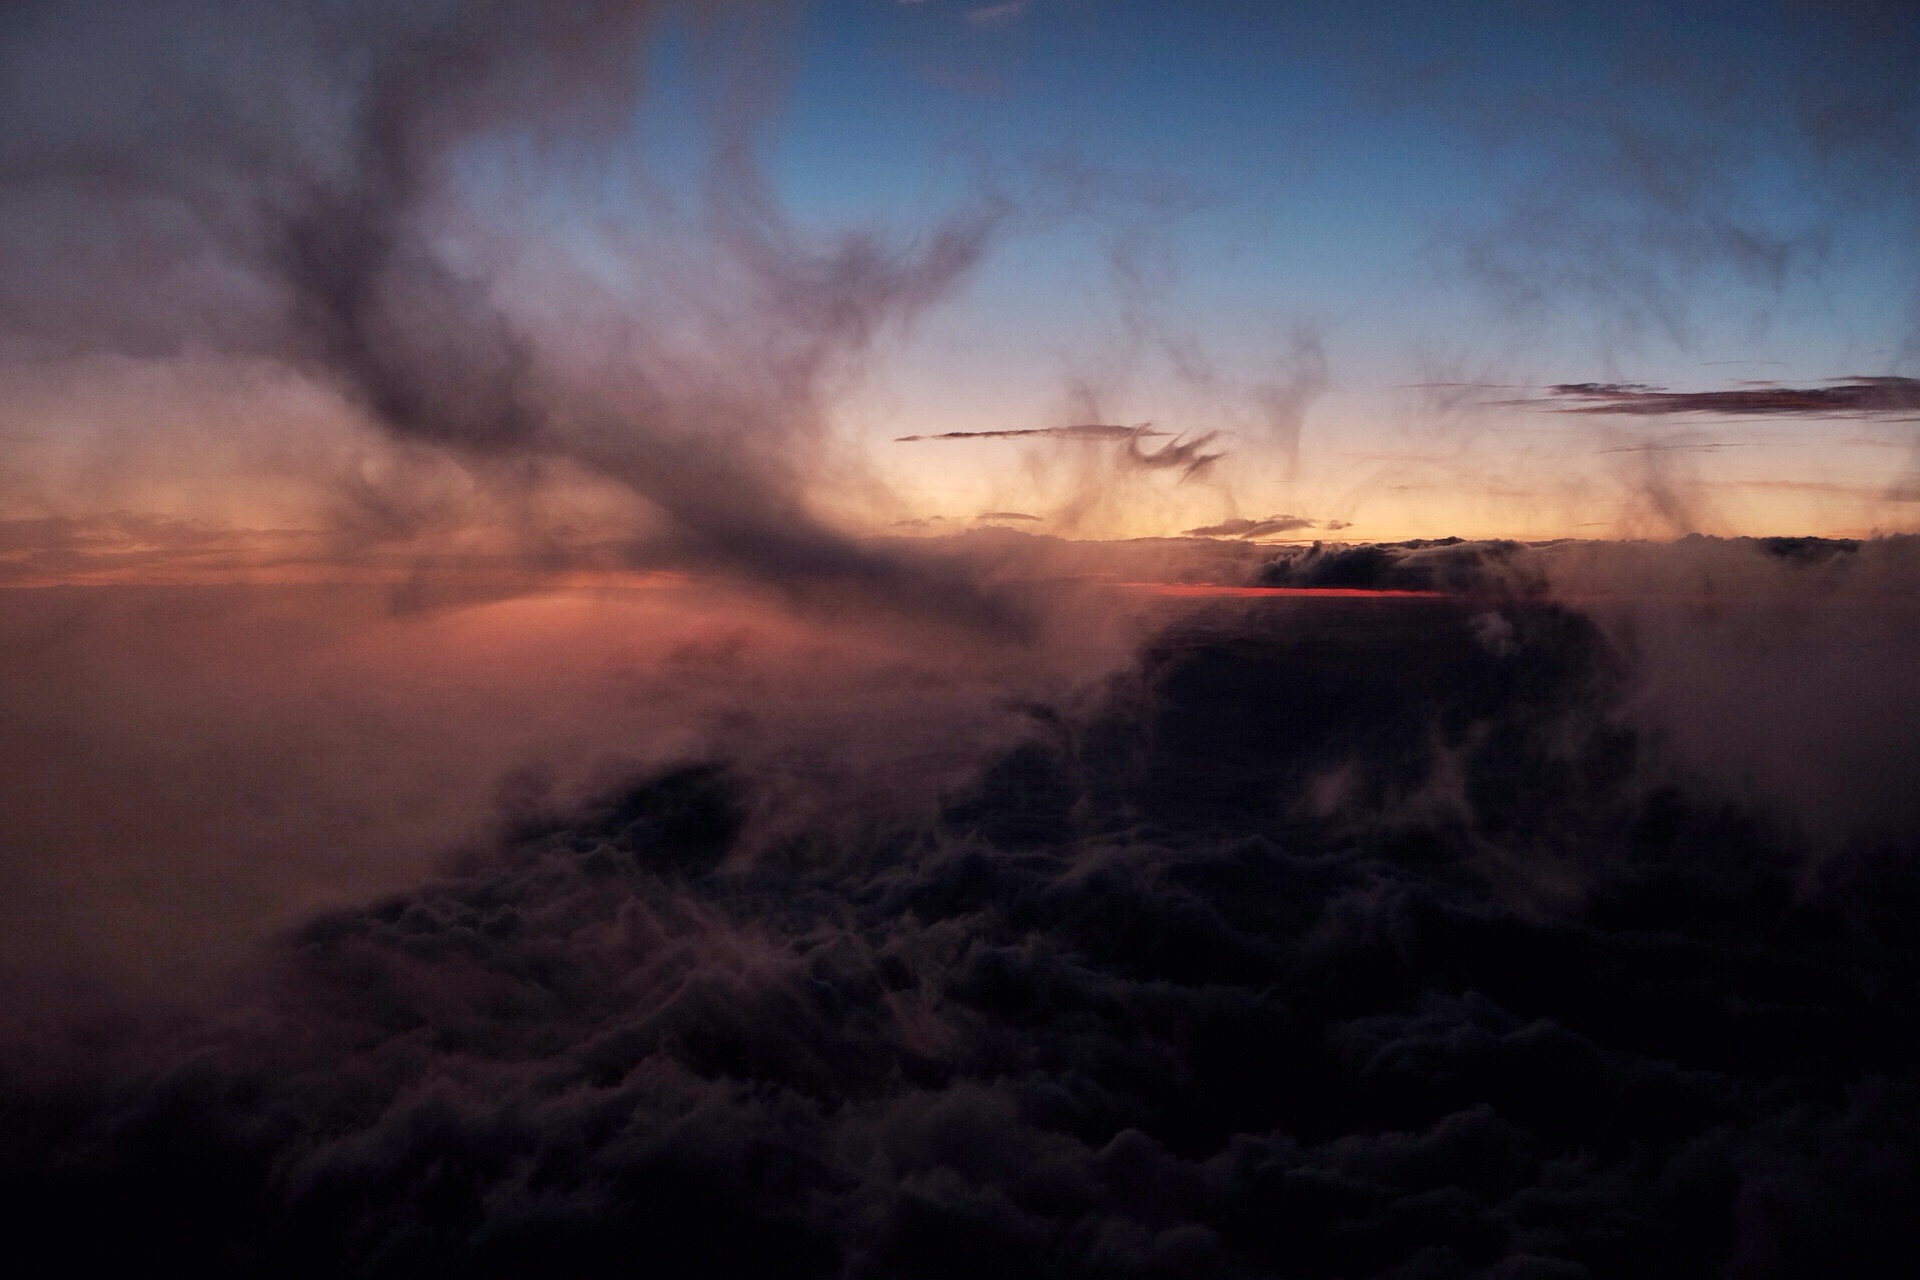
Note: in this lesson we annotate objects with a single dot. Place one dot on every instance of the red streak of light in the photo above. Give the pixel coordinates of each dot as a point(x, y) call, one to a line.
point(1321, 593)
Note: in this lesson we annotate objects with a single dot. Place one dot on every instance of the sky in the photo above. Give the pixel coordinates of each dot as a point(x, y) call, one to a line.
point(876, 639)
point(1452, 193)
point(1529, 194)
point(1336, 257)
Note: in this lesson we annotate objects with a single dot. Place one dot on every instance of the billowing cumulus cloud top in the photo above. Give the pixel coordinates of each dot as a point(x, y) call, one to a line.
point(1336, 937)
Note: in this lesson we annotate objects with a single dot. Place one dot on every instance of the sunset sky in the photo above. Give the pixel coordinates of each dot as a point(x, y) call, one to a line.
point(933, 639)
point(1343, 251)
point(1507, 192)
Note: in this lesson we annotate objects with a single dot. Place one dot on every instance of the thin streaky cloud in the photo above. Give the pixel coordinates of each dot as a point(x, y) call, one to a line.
point(1857, 395)
point(1250, 528)
point(1079, 431)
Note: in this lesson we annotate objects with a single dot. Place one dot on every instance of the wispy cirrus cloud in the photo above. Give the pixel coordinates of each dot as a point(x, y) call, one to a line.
point(994, 16)
point(1190, 457)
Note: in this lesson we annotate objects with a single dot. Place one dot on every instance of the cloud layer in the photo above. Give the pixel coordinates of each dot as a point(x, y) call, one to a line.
point(1335, 937)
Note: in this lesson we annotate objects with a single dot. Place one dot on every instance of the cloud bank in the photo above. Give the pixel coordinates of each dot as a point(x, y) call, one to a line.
point(1333, 938)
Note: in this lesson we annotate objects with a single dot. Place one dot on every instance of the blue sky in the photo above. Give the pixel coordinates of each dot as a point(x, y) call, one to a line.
point(1532, 192)
point(1209, 216)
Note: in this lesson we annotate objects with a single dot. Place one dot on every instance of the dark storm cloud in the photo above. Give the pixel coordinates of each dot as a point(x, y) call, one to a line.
point(296, 181)
point(1250, 528)
point(1450, 978)
point(1845, 397)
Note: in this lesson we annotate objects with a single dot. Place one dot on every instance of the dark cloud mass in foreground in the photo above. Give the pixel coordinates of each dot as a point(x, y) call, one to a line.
point(1336, 937)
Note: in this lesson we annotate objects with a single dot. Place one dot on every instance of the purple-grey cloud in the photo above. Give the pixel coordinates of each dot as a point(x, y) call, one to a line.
point(1189, 457)
point(1250, 528)
point(1850, 397)
point(310, 207)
